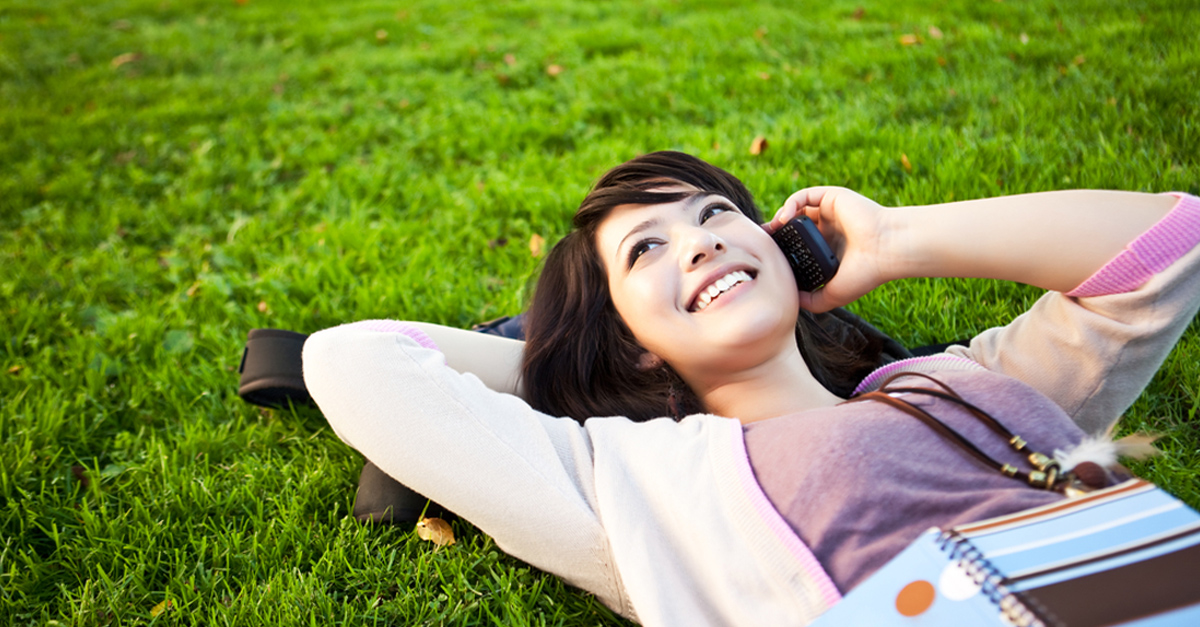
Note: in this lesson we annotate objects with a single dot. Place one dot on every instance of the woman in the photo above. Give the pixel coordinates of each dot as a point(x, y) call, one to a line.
point(773, 497)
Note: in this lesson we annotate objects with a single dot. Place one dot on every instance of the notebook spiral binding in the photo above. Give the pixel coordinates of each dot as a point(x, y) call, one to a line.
point(991, 583)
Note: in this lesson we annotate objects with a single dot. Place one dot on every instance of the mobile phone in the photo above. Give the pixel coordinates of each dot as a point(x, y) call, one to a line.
point(811, 259)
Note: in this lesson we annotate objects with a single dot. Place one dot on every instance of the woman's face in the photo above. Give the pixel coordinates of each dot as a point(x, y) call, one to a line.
point(699, 284)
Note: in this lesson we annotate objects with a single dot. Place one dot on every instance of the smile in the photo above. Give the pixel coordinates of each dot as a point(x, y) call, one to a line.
point(718, 287)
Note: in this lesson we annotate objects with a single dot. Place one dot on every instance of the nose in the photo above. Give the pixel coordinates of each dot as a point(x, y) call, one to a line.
point(699, 245)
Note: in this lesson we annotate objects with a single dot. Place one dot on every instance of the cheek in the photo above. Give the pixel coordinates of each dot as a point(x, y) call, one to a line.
point(643, 304)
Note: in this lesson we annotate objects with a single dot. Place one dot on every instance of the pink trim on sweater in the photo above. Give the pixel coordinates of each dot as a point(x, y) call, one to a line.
point(395, 326)
point(776, 523)
point(1152, 252)
point(930, 362)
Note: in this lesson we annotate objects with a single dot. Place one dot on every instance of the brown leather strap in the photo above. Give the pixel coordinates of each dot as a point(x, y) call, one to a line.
point(1046, 473)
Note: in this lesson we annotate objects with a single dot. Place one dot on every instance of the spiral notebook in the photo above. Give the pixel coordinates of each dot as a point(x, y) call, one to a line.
point(1126, 555)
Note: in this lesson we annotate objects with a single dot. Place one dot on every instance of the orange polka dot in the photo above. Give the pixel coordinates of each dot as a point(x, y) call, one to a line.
point(915, 598)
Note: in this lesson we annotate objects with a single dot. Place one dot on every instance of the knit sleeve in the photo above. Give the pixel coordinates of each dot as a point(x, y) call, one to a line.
point(1152, 252)
point(523, 477)
point(1094, 349)
point(395, 326)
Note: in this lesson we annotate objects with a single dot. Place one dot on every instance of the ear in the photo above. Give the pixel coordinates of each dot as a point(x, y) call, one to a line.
point(649, 361)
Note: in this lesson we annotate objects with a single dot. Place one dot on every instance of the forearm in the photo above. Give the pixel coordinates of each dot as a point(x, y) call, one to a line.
point(1053, 240)
point(495, 360)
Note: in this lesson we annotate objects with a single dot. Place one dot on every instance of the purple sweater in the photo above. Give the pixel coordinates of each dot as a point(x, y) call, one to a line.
point(897, 474)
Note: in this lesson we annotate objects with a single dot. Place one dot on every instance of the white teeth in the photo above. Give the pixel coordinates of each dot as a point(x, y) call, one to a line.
point(719, 286)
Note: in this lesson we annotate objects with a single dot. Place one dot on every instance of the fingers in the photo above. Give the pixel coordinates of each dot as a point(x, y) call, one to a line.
point(782, 216)
point(807, 201)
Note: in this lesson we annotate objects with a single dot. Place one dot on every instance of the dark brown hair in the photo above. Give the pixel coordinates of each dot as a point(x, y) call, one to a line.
point(581, 359)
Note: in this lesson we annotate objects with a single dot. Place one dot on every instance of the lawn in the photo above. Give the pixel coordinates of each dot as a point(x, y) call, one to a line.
point(175, 173)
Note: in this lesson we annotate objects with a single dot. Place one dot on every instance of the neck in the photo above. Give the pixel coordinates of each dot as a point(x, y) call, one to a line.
point(782, 385)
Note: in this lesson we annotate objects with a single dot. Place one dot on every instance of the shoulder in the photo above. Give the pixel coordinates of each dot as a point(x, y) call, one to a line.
point(931, 363)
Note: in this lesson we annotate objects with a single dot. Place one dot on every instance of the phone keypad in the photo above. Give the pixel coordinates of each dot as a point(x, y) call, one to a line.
point(809, 275)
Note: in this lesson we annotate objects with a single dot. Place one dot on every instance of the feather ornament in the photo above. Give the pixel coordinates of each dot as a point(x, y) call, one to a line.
point(1104, 451)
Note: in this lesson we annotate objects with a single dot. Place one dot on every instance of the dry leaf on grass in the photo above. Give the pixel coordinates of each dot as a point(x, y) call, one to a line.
point(758, 145)
point(128, 57)
point(436, 531)
point(161, 607)
point(905, 162)
point(80, 474)
point(554, 69)
point(909, 39)
point(536, 243)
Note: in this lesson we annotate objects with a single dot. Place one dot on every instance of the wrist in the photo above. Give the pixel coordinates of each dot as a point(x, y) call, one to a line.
point(899, 245)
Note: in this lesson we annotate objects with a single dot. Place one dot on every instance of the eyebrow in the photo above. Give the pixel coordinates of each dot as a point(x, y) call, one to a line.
point(692, 201)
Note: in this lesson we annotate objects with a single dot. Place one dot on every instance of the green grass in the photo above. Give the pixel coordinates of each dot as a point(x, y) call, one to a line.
point(271, 165)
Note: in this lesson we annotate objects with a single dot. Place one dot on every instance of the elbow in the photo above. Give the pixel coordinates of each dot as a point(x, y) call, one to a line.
point(328, 361)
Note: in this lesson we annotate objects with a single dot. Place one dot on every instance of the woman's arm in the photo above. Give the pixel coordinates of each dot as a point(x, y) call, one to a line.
point(521, 476)
point(1053, 240)
point(1091, 349)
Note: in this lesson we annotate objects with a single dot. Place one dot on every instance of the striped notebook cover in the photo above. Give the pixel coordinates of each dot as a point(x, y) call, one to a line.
point(1126, 555)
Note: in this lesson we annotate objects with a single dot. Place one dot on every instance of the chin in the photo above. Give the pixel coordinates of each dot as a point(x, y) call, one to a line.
point(765, 329)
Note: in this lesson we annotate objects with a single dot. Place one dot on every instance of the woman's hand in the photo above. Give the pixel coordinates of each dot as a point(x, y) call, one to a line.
point(855, 228)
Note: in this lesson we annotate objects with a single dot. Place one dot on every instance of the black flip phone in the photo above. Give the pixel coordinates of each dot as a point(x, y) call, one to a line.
point(811, 259)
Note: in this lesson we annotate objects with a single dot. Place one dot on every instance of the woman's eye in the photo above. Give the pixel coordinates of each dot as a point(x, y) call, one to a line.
point(713, 210)
point(640, 249)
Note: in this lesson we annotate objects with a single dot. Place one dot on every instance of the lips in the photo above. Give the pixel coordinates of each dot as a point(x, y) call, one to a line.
point(714, 289)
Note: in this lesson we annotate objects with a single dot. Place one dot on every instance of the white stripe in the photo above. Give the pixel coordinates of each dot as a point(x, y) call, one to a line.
point(1085, 531)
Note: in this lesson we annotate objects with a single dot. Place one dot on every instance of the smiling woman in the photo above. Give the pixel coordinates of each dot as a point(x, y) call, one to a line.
point(713, 472)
